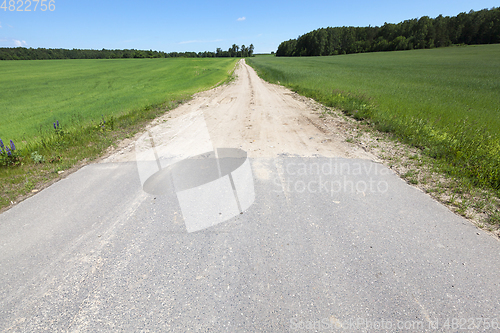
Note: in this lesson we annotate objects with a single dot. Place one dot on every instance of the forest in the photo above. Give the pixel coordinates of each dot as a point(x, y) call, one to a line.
point(22, 53)
point(475, 27)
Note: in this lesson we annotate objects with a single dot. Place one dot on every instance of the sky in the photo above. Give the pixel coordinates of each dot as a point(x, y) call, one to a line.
point(181, 26)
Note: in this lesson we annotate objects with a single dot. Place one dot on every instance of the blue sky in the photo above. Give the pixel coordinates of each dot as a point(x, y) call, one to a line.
point(201, 25)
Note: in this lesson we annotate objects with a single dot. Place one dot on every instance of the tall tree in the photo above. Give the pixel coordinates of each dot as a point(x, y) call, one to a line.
point(250, 50)
point(482, 27)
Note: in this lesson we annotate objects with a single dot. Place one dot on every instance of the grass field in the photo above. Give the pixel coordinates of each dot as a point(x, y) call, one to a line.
point(445, 101)
point(37, 93)
point(96, 102)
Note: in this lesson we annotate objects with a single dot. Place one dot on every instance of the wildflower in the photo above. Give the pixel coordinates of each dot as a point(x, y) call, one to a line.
point(1, 143)
point(12, 146)
point(57, 121)
point(8, 151)
point(55, 126)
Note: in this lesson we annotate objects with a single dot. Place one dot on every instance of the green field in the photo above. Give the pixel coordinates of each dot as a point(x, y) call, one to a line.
point(36, 93)
point(444, 100)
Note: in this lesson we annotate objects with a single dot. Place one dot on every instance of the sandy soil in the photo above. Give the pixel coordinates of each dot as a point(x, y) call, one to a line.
point(263, 119)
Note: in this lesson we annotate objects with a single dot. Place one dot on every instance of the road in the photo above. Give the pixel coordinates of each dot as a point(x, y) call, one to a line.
point(237, 213)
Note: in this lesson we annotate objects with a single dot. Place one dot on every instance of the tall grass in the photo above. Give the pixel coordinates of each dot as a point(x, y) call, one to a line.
point(445, 101)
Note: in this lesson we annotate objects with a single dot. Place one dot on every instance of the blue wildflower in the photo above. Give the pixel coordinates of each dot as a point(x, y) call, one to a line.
point(12, 146)
point(55, 126)
point(8, 151)
point(1, 143)
point(57, 121)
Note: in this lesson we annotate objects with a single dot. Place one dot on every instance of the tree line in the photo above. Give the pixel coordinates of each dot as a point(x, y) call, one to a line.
point(475, 27)
point(22, 53)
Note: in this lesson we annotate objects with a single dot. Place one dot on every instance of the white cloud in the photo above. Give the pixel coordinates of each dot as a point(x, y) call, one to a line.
point(190, 41)
point(8, 25)
point(19, 42)
point(11, 42)
point(200, 41)
point(241, 18)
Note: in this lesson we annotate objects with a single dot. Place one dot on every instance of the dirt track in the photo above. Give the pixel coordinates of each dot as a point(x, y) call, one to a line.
point(263, 119)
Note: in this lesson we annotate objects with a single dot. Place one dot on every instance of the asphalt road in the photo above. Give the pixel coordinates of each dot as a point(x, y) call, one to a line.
point(326, 245)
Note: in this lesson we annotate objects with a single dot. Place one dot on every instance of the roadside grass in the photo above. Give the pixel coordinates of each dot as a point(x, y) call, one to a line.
point(481, 205)
point(70, 137)
point(443, 103)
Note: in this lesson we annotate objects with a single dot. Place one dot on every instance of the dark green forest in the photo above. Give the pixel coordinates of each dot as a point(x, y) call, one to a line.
point(475, 27)
point(22, 53)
